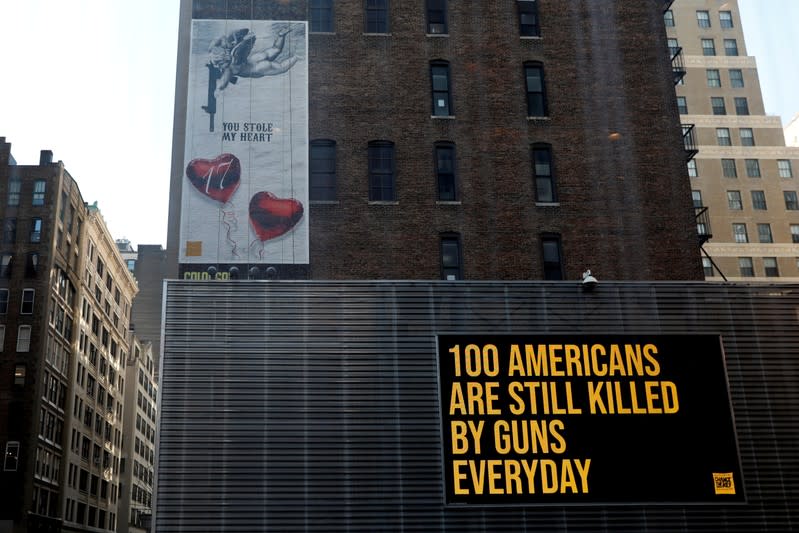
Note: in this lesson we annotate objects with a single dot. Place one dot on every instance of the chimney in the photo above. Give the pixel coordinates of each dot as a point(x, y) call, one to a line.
point(45, 157)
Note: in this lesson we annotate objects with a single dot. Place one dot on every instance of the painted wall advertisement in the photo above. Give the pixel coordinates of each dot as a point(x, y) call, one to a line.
point(245, 188)
point(589, 419)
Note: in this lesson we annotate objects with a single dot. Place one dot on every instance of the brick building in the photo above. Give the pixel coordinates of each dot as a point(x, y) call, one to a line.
point(65, 298)
point(480, 140)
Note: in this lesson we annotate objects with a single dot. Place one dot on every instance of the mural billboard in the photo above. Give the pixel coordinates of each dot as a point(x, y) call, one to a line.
point(245, 183)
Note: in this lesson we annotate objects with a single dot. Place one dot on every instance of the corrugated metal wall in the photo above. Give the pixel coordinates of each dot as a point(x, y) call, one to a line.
point(313, 406)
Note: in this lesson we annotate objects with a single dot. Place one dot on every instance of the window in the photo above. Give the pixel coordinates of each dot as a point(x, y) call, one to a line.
point(708, 47)
point(730, 47)
point(707, 266)
point(536, 96)
point(759, 200)
point(736, 78)
point(23, 338)
point(11, 457)
point(717, 103)
point(770, 267)
point(451, 258)
point(321, 15)
point(14, 187)
point(322, 172)
point(725, 18)
point(3, 301)
point(31, 264)
point(10, 230)
point(791, 202)
point(545, 191)
point(728, 168)
point(668, 18)
point(674, 46)
point(27, 302)
point(723, 137)
point(747, 137)
point(376, 16)
point(528, 18)
point(439, 75)
point(445, 171)
point(713, 77)
point(784, 167)
point(693, 169)
point(696, 196)
point(6, 262)
point(436, 16)
point(381, 171)
point(764, 233)
point(39, 187)
point(752, 168)
point(36, 230)
point(739, 233)
point(734, 200)
point(741, 106)
point(795, 233)
point(682, 105)
point(745, 267)
point(703, 19)
point(551, 253)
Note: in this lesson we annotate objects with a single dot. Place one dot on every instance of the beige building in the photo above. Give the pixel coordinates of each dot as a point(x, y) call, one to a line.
point(743, 173)
point(91, 497)
point(141, 390)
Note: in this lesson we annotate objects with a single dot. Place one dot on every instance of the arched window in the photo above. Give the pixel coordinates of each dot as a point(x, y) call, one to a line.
point(536, 90)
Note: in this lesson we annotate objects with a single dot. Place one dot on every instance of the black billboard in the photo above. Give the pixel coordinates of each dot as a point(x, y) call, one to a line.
point(587, 419)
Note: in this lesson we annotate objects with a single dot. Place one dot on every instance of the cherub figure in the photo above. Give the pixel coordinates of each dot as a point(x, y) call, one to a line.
point(233, 55)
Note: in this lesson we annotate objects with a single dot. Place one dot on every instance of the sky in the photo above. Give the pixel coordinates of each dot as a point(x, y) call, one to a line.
point(93, 81)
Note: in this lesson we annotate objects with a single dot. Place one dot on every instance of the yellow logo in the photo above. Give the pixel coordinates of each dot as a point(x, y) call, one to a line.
point(723, 483)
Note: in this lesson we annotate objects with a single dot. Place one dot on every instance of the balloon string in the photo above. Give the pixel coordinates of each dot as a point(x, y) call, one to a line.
point(231, 224)
point(257, 244)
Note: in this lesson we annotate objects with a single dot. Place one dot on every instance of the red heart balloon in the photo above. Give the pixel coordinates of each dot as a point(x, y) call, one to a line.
point(271, 216)
point(217, 178)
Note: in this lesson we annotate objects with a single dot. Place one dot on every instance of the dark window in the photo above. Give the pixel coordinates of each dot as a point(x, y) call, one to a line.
point(730, 47)
point(451, 258)
point(795, 233)
point(321, 15)
point(3, 301)
point(746, 267)
point(536, 94)
point(10, 230)
point(668, 18)
point(439, 75)
point(708, 47)
point(36, 230)
point(545, 190)
point(741, 106)
point(725, 17)
point(31, 264)
point(703, 19)
point(674, 46)
point(717, 103)
point(550, 251)
point(27, 301)
point(770, 267)
point(696, 197)
point(713, 77)
point(381, 171)
point(436, 16)
point(6, 262)
point(682, 105)
point(11, 458)
point(758, 200)
point(791, 202)
point(752, 168)
point(376, 16)
point(728, 168)
point(528, 18)
point(14, 188)
point(707, 266)
point(39, 188)
point(445, 171)
point(764, 233)
point(736, 78)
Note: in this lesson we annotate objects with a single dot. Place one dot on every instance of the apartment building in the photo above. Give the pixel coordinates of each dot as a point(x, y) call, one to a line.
point(743, 178)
